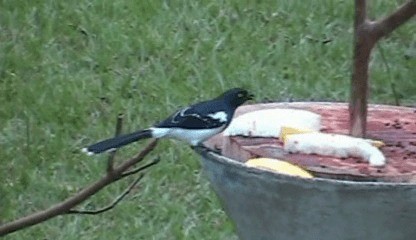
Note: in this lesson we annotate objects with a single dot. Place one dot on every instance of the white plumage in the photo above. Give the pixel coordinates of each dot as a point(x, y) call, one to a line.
point(191, 136)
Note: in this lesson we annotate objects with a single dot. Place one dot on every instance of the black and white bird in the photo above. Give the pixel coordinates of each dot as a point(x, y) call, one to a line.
point(193, 124)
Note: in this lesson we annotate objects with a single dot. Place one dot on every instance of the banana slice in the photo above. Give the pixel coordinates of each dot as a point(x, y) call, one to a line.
point(268, 122)
point(278, 166)
point(376, 143)
point(286, 131)
point(335, 145)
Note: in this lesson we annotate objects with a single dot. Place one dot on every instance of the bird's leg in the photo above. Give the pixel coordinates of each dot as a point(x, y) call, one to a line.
point(202, 147)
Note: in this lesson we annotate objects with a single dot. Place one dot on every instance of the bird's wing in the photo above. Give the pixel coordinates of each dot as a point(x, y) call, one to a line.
point(195, 118)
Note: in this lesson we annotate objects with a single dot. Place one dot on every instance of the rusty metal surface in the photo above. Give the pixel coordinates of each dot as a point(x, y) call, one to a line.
point(266, 205)
point(396, 126)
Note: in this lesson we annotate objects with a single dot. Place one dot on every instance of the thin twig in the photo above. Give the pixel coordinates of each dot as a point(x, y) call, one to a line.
point(69, 203)
point(119, 128)
point(110, 206)
point(139, 169)
point(392, 84)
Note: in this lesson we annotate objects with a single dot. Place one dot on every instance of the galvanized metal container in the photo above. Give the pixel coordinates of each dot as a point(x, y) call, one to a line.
point(270, 206)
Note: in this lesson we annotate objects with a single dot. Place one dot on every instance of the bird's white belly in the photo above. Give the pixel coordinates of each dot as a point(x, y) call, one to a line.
point(191, 136)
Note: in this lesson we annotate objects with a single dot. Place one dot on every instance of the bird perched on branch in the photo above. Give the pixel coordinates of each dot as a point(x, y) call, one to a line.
point(193, 124)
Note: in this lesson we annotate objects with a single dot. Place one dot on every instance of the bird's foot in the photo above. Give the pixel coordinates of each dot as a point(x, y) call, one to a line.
point(203, 148)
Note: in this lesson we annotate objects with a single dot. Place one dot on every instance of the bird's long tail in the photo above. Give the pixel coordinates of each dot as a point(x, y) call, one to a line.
point(117, 142)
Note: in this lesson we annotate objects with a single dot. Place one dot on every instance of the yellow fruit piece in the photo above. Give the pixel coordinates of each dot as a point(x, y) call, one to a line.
point(286, 131)
point(376, 143)
point(278, 166)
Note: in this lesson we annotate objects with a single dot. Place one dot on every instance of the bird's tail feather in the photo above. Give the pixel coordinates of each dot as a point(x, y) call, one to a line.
point(117, 142)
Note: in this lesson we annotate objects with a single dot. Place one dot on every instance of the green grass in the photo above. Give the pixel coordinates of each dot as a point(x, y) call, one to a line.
point(67, 68)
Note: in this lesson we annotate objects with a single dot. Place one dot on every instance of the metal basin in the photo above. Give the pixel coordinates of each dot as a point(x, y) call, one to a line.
point(266, 205)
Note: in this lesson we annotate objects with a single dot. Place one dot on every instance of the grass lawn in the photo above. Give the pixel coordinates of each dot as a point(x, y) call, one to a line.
point(67, 68)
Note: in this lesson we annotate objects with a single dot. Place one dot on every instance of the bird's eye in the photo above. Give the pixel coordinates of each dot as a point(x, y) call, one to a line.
point(240, 95)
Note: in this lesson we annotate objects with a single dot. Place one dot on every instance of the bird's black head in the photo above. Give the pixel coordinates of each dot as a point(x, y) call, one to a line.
point(236, 96)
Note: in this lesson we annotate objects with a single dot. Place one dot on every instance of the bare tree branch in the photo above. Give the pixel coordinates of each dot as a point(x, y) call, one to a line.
point(110, 206)
point(360, 13)
point(69, 203)
point(139, 169)
point(366, 35)
point(385, 26)
point(359, 79)
point(112, 154)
